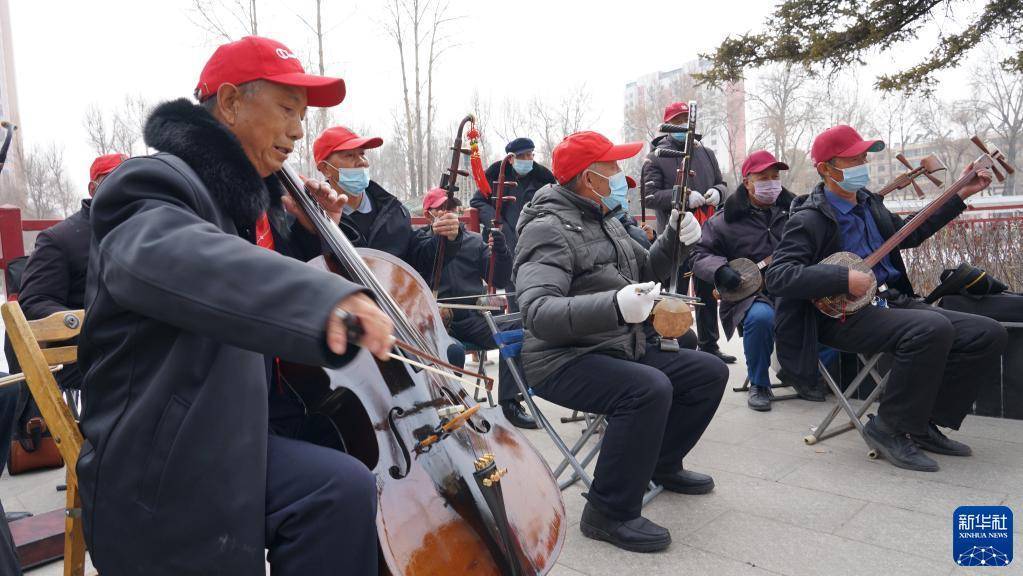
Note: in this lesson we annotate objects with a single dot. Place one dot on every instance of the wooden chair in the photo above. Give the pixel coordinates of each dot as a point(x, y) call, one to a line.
point(28, 339)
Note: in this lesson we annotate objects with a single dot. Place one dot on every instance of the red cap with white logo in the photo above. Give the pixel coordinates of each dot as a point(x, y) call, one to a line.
point(256, 58)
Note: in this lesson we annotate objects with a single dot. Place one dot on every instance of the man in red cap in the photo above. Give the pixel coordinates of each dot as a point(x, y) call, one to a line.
point(586, 289)
point(750, 226)
point(709, 187)
point(940, 357)
point(372, 217)
point(54, 277)
point(190, 300)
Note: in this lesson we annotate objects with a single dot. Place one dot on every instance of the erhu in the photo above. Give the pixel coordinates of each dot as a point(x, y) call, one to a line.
point(842, 305)
point(672, 314)
point(492, 300)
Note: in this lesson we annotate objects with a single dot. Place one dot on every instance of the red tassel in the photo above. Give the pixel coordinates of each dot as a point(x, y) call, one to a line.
point(476, 163)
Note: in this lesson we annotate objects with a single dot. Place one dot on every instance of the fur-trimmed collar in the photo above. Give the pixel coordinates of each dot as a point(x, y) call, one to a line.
point(737, 205)
point(191, 133)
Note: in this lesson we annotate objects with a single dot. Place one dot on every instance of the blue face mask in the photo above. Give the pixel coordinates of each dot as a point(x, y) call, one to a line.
point(523, 167)
point(619, 195)
point(678, 136)
point(855, 178)
point(354, 180)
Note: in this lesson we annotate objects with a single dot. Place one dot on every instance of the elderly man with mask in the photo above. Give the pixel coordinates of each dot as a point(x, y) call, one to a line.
point(189, 293)
point(941, 357)
point(587, 289)
point(372, 217)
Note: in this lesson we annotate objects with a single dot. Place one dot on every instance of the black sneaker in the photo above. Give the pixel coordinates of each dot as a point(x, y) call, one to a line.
point(726, 358)
point(518, 417)
point(938, 443)
point(811, 392)
point(759, 398)
point(899, 449)
point(685, 482)
point(636, 535)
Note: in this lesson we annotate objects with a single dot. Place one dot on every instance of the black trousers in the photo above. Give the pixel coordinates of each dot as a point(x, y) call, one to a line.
point(320, 511)
point(8, 414)
point(474, 329)
point(941, 358)
point(656, 409)
point(707, 331)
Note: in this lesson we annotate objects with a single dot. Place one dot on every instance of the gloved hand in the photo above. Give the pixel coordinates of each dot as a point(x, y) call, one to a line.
point(689, 233)
point(726, 277)
point(696, 199)
point(498, 243)
point(713, 197)
point(635, 301)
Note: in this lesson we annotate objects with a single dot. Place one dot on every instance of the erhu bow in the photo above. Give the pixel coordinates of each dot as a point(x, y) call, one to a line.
point(672, 314)
point(842, 305)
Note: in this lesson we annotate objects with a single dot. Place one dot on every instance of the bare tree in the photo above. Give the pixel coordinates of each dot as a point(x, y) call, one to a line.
point(226, 20)
point(120, 130)
point(418, 29)
point(784, 110)
point(48, 191)
point(998, 93)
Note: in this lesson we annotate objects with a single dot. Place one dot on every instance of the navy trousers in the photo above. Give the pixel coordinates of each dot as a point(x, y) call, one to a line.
point(320, 511)
point(657, 409)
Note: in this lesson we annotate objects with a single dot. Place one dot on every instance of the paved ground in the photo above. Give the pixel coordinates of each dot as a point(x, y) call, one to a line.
point(780, 507)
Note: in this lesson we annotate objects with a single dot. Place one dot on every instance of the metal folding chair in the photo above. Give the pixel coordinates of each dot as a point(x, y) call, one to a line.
point(572, 468)
point(869, 370)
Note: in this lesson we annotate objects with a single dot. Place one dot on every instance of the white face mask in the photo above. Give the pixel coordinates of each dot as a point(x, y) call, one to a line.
point(766, 191)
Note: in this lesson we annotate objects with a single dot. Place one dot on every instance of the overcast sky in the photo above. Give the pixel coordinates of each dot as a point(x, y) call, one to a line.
point(72, 54)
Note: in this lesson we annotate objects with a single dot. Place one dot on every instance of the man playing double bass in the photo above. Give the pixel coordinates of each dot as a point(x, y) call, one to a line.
point(586, 289)
point(186, 298)
point(941, 357)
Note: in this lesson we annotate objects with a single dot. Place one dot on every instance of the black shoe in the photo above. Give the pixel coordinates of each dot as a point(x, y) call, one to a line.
point(810, 392)
point(759, 398)
point(12, 516)
point(899, 449)
point(685, 482)
point(938, 443)
point(726, 358)
point(636, 535)
point(517, 416)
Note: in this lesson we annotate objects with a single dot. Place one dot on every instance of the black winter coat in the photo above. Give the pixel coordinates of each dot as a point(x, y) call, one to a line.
point(661, 173)
point(739, 232)
point(392, 232)
point(180, 311)
point(523, 193)
point(795, 277)
point(466, 273)
point(54, 277)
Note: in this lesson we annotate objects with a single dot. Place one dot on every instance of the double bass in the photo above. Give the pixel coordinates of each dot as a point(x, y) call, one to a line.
point(459, 490)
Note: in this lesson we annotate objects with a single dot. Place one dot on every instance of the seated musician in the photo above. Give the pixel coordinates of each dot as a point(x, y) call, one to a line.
point(466, 275)
point(54, 277)
point(586, 293)
point(749, 227)
point(941, 357)
point(373, 217)
point(185, 298)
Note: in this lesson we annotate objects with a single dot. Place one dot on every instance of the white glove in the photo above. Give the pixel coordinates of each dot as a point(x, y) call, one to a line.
point(713, 197)
point(635, 301)
point(690, 231)
point(696, 199)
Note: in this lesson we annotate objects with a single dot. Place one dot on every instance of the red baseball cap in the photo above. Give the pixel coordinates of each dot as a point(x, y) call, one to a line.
point(435, 198)
point(256, 58)
point(674, 109)
point(577, 151)
point(759, 161)
point(341, 138)
point(841, 142)
point(104, 165)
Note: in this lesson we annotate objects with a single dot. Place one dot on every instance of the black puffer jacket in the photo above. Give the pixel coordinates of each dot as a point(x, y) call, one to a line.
point(526, 187)
point(466, 273)
point(795, 277)
point(570, 262)
point(661, 173)
point(739, 231)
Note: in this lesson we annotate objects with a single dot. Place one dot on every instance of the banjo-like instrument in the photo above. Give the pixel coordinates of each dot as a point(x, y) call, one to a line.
point(844, 304)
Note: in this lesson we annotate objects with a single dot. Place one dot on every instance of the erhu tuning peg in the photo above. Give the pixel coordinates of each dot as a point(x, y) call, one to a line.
point(465, 151)
point(979, 143)
point(463, 173)
point(901, 158)
point(917, 189)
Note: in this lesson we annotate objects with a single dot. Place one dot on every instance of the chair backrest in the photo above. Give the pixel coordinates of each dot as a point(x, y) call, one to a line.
point(36, 362)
